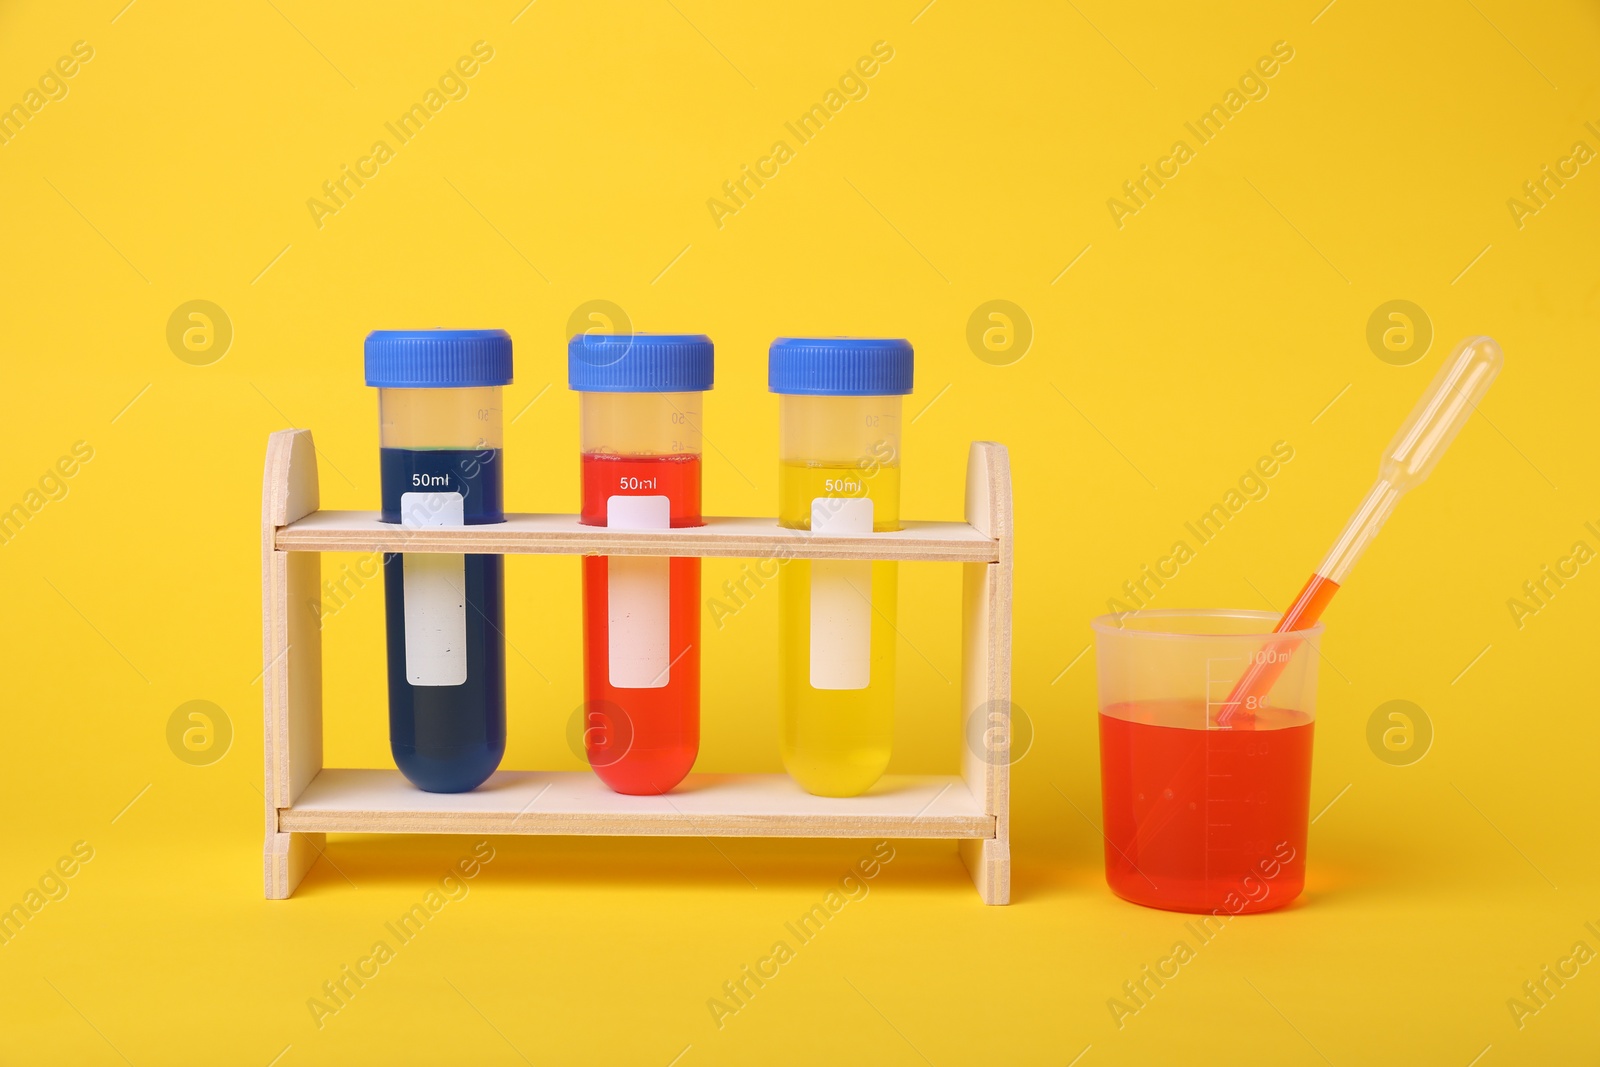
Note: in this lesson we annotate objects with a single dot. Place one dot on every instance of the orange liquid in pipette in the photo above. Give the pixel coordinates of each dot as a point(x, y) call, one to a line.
point(1307, 607)
point(1253, 686)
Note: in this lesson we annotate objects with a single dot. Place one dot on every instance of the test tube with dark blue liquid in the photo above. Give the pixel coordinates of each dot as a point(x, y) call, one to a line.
point(439, 462)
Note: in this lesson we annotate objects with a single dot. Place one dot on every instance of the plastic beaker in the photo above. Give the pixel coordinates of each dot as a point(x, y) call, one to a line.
point(439, 465)
point(839, 473)
point(640, 458)
point(1202, 817)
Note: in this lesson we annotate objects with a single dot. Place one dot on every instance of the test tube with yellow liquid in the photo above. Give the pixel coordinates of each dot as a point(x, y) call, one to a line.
point(839, 473)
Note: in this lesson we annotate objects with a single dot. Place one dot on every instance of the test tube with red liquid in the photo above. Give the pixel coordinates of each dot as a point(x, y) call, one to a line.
point(640, 458)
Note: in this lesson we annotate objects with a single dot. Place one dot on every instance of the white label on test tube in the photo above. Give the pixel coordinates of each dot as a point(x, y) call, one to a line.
point(436, 599)
point(841, 600)
point(639, 598)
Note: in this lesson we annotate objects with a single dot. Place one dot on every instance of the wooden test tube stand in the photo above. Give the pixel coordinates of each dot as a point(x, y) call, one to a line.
point(305, 801)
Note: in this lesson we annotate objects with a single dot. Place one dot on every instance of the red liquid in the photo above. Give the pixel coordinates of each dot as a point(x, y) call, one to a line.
point(1204, 820)
point(642, 741)
point(1255, 685)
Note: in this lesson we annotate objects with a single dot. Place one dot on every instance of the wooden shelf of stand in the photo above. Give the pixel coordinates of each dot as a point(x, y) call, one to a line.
point(577, 802)
point(305, 801)
point(360, 531)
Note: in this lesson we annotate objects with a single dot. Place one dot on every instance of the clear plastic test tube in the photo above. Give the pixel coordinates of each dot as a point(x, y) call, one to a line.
point(839, 472)
point(440, 428)
point(640, 458)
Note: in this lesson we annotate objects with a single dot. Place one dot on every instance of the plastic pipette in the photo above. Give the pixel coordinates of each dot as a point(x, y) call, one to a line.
point(1410, 458)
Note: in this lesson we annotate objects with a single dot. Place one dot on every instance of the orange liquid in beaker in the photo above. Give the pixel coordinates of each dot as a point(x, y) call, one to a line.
point(1204, 819)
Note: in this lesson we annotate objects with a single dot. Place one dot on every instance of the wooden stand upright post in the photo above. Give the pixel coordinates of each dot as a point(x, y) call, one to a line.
point(986, 672)
point(291, 634)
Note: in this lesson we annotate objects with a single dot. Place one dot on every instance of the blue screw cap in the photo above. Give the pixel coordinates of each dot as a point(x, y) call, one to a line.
point(840, 366)
point(438, 359)
point(640, 363)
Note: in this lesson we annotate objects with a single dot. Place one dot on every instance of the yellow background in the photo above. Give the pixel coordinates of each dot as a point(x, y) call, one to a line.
point(1223, 317)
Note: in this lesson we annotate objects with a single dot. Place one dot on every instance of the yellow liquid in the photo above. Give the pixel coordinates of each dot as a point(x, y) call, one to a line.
point(836, 742)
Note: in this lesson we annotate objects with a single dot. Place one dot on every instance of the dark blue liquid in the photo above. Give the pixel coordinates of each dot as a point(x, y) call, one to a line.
point(448, 738)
